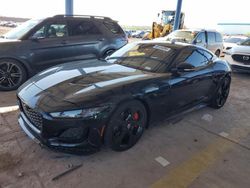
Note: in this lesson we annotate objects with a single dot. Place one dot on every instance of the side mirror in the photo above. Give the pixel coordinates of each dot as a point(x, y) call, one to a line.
point(198, 41)
point(183, 67)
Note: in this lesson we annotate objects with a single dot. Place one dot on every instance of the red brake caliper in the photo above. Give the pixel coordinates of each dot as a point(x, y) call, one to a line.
point(136, 117)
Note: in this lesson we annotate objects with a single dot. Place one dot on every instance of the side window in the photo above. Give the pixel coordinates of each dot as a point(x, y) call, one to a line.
point(113, 27)
point(201, 37)
point(83, 27)
point(54, 30)
point(210, 37)
point(197, 58)
point(208, 55)
point(218, 37)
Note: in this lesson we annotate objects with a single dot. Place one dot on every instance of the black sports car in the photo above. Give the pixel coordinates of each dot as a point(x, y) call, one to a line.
point(77, 107)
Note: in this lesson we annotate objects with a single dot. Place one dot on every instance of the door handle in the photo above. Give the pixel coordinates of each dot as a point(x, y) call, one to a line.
point(101, 39)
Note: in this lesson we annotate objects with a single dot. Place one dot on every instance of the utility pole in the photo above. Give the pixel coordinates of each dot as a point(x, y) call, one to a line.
point(177, 15)
point(69, 7)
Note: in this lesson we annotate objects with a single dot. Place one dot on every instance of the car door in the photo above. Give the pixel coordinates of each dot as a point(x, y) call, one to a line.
point(48, 45)
point(85, 39)
point(211, 42)
point(191, 86)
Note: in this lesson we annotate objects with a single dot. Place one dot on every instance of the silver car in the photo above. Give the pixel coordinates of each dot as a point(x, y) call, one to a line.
point(239, 57)
point(210, 39)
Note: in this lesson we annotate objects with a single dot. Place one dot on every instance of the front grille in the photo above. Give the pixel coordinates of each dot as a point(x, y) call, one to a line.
point(241, 58)
point(34, 117)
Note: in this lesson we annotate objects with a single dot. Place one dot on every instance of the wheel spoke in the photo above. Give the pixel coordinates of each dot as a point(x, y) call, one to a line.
point(2, 79)
point(11, 83)
point(1, 71)
point(9, 67)
point(118, 139)
point(132, 139)
point(15, 75)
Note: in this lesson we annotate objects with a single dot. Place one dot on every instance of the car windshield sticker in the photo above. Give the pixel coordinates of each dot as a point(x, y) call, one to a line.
point(136, 53)
point(162, 48)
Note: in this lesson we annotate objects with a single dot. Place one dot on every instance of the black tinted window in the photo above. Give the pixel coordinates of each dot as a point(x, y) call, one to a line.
point(113, 27)
point(211, 37)
point(83, 27)
point(52, 30)
point(197, 58)
point(218, 37)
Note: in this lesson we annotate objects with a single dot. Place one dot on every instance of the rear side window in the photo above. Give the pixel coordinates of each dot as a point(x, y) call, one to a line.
point(218, 37)
point(210, 37)
point(197, 58)
point(83, 27)
point(113, 27)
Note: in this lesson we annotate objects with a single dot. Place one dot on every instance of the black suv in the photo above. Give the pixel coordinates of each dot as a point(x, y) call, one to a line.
point(41, 43)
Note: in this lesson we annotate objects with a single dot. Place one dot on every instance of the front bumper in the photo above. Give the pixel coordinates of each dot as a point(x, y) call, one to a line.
point(237, 66)
point(91, 142)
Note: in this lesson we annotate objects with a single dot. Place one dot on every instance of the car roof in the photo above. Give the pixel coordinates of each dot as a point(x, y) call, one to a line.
point(83, 17)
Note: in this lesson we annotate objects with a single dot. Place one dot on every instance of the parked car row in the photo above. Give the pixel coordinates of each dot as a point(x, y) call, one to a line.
point(9, 24)
point(136, 33)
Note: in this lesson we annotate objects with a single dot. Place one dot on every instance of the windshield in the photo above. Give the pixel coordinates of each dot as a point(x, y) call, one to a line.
point(150, 57)
point(21, 30)
point(182, 36)
point(234, 40)
point(168, 17)
point(246, 42)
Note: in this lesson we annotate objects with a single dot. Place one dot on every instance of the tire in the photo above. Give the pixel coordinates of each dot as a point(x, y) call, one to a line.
point(221, 95)
point(126, 126)
point(217, 53)
point(12, 74)
point(108, 53)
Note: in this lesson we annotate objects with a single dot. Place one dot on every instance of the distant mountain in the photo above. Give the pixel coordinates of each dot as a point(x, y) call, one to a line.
point(4, 18)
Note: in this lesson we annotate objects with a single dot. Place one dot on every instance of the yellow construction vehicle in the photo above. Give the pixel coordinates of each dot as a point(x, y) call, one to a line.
point(165, 27)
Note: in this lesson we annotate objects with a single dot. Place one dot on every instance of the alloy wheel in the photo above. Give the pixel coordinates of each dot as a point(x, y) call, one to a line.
point(10, 75)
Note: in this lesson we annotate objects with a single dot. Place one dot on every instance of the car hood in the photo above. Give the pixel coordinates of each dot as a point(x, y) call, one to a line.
point(78, 84)
point(240, 49)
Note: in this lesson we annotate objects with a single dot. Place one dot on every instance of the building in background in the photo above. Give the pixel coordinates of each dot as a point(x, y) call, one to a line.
point(234, 28)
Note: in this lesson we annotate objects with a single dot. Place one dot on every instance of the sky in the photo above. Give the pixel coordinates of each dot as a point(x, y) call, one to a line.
point(198, 13)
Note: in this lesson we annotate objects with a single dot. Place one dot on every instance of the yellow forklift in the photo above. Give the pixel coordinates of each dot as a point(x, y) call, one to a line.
point(165, 27)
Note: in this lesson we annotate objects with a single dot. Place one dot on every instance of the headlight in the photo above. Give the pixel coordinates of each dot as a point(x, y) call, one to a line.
point(82, 113)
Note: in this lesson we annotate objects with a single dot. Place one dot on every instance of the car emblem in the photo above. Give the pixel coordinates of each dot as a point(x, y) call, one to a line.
point(246, 58)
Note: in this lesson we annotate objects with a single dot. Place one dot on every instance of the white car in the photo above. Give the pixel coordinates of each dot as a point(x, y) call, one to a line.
point(239, 56)
point(232, 41)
